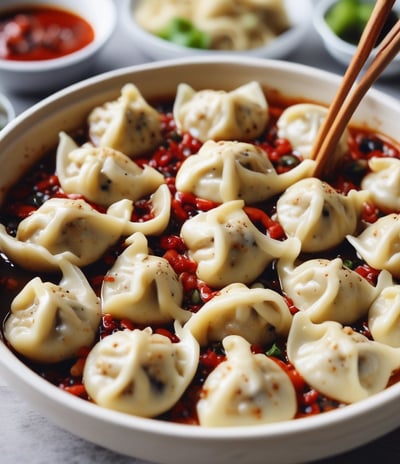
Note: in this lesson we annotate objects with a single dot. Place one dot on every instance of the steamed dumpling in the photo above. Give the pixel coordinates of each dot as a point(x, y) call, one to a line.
point(102, 175)
point(61, 228)
point(241, 114)
point(300, 125)
point(160, 212)
point(259, 315)
point(383, 182)
point(228, 247)
point(317, 215)
point(379, 244)
point(339, 362)
point(246, 389)
point(327, 290)
point(228, 170)
point(142, 288)
point(128, 124)
point(49, 322)
point(384, 317)
point(140, 372)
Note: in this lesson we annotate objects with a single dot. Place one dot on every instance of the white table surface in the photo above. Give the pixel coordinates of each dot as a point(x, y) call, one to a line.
point(28, 437)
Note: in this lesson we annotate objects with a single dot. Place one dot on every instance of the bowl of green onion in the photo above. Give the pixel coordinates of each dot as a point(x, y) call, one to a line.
point(340, 24)
point(164, 29)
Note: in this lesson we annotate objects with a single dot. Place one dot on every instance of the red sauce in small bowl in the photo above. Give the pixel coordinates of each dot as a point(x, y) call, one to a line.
point(42, 33)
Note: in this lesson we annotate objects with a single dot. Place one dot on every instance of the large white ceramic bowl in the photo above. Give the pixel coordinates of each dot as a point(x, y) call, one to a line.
point(299, 14)
point(35, 131)
point(338, 48)
point(45, 76)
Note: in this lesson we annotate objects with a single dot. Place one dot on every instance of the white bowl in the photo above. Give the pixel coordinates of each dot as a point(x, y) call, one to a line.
point(157, 48)
point(36, 130)
point(338, 48)
point(7, 112)
point(49, 75)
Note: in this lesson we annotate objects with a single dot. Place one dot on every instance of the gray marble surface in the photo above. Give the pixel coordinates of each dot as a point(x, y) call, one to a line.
point(28, 437)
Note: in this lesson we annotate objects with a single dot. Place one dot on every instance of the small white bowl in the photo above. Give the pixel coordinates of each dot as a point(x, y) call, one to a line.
point(49, 75)
point(156, 48)
point(338, 48)
point(7, 112)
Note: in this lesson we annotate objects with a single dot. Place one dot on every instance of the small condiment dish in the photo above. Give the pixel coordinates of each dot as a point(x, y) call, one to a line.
point(154, 47)
point(338, 48)
point(46, 75)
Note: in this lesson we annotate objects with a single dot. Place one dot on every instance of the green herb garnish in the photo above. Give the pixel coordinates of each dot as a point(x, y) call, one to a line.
point(182, 32)
point(274, 351)
point(348, 18)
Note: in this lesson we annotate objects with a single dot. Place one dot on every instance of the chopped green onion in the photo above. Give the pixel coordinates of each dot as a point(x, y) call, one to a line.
point(196, 299)
point(182, 32)
point(274, 351)
point(348, 263)
point(347, 19)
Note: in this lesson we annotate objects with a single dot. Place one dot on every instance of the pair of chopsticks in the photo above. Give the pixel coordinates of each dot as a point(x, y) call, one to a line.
point(346, 102)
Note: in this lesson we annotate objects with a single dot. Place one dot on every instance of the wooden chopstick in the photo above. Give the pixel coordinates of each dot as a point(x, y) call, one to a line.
point(345, 103)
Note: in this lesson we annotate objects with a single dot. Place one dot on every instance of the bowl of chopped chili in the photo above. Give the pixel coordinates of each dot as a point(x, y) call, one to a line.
point(45, 45)
point(334, 401)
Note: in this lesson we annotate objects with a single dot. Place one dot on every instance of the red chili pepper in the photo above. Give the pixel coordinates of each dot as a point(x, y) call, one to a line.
point(368, 273)
point(172, 242)
point(295, 377)
point(369, 213)
point(206, 293)
point(167, 333)
point(256, 215)
point(189, 281)
point(211, 359)
point(77, 390)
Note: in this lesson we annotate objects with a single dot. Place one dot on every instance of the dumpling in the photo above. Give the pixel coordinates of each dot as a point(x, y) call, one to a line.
point(384, 317)
point(327, 290)
point(50, 323)
point(128, 124)
point(259, 315)
point(139, 372)
point(300, 125)
point(228, 247)
point(241, 114)
point(383, 182)
point(61, 228)
point(339, 362)
point(317, 215)
point(246, 389)
point(155, 15)
point(240, 25)
point(160, 213)
point(229, 170)
point(142, 287)
point(379, 244)
point(102, 175)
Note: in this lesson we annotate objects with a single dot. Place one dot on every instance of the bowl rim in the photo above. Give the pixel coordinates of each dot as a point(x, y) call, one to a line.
point(12, 367)
point(166, 46)
point(39, 66)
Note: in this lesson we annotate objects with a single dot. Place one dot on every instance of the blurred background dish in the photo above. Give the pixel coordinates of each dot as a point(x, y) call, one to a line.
point(184, 30)
point(340, 23)
point(47, 44)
